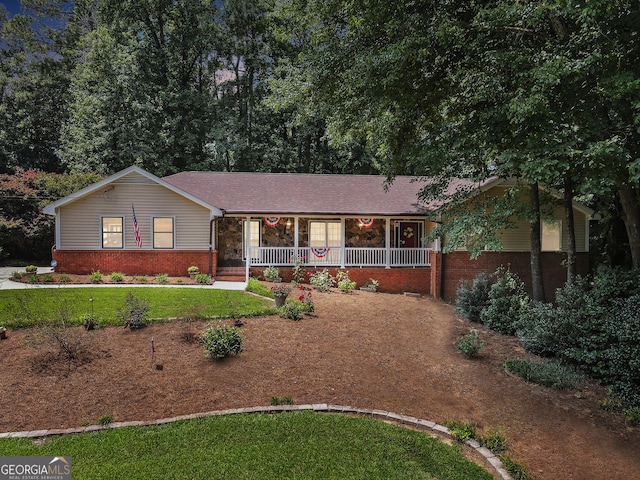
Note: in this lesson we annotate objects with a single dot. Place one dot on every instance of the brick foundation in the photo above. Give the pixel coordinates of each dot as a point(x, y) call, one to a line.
point(392, 280)
point(458, 266)
point(135, 262)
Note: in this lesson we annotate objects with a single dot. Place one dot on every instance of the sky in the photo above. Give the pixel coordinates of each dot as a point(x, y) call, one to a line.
point(12, 6)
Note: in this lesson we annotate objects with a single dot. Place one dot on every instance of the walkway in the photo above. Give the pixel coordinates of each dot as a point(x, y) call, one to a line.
point(7, 284)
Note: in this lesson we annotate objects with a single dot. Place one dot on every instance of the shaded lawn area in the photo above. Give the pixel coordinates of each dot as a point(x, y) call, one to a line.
point(24, 308)
point(257, 446)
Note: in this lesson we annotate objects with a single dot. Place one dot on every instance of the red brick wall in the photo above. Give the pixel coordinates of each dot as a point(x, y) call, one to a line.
point(392, 280)
point(134, 262)
point(458, 266)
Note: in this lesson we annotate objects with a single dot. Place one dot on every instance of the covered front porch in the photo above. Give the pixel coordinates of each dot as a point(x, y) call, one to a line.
point(323, 241)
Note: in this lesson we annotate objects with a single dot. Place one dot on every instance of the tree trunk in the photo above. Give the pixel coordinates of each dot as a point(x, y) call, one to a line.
point(536, 245)
point(631, 217)
point(571, 233)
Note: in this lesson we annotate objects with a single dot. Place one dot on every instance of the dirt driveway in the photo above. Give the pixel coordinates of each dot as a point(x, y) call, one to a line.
point(366, 350)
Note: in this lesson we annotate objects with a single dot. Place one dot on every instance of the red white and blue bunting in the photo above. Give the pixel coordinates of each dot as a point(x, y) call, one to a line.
point(320, 252)
point(366, 222)
point(271, 221)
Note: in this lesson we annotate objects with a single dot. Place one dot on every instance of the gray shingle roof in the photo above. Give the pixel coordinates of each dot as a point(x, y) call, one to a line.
point(291, 193)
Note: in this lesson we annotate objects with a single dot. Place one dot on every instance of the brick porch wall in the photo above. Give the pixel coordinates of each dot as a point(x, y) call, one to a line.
point(392, 280)
point(458, 266)
point(134, 262)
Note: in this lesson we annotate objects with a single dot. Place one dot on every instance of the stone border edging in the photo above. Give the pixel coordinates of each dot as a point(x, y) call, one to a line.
point(396, 418)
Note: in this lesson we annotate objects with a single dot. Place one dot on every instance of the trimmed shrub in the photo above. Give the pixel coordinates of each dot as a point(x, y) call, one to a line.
point(541, 329)
point(548, 374)
point(291, 310)
point(134, 312)
point(507, 297)
point(322, 280)
point(220, 341)
point(470, 344)
point(116, 277)
point(203, 278)
point(472, 299)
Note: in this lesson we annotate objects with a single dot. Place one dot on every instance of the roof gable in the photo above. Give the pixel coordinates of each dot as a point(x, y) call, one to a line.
point(131, 174)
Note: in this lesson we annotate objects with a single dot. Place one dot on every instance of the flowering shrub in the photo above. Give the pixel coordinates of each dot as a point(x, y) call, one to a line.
point(306, 301)
point(345, 284)
point(322, 280)
point(299, 272)
point(282, 290)
point(291, 310)
point(271, 273)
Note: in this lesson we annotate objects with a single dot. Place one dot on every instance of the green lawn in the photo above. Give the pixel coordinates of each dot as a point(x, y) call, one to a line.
point(299, 445)
point(23, 308)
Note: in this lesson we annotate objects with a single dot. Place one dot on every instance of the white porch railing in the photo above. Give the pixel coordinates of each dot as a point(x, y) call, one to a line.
point(336, 257)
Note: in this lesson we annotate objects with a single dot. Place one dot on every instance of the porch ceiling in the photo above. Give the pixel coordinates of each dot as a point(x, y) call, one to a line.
point(302, 194)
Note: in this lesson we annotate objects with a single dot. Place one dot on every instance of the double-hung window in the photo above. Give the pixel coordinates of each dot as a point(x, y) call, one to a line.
point(551, 235)
point(324, 241)
point(112, 232)
point(163, 232)
point(254, 241)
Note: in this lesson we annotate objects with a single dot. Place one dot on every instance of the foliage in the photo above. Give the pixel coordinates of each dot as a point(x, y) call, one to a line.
point(298, 271)
point(193, 270)
point(203, 278)
point(31, 269)
point(220, 341)
point(271, 273)
point(254, 286)
point(322, 280)
point(64, 278)
point(471, 300)
point(282, 290)
point(105, 420)
point(306, 301)
point(261, 446)
point(632, 416)
point(507, 297)
point(162, 278)
point(515, 469)
point(461, 430)
point(470, 344)
point(494, 441)
point(593, 327)
point(345, 284)
point(134, 312)
point(549, 374)
point(95, 277)
point(116, 277)
point(291, 310)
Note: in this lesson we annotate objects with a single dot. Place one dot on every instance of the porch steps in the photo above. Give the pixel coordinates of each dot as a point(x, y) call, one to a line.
point(230, 274)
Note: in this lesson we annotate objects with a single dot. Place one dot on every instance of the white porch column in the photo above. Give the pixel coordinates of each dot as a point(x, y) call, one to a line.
point(387, 243)
point(296, 237)
point(247, 246)
point(343, 252)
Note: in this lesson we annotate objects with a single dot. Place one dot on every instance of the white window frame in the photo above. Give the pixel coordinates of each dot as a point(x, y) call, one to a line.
point(173, 232)
point(104, 232)
point(326, 233)
point(256, 227)
point(557, 243)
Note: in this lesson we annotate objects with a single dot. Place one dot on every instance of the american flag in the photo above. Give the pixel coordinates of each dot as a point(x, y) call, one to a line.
point(136, 229)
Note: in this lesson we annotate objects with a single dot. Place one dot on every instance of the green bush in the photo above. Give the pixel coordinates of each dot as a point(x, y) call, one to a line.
point(345, 284)
point(95, 277)
point(322, 280)
point(220, 341)
point(472, 299)
point(291, 310)
point(203, 278)
point(31, 269)
point(470, 344)
point(542, 330)
point(48, 278)
point(116, 277)
point(162, 278)
point(460, 430)
point(64, 278)
point(548, 374)
point(271, 273)
point(515, 469)
point(494, 441)
point(507, 296)
point(133, 313)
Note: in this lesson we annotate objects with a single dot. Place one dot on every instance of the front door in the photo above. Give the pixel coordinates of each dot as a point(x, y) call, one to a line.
point(409, 235)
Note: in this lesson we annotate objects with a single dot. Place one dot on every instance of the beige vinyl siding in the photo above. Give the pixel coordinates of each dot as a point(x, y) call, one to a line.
point(517, 240)
point(80, 224)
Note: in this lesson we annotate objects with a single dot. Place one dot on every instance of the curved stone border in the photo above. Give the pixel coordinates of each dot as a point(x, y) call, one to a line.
point(396, 418)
